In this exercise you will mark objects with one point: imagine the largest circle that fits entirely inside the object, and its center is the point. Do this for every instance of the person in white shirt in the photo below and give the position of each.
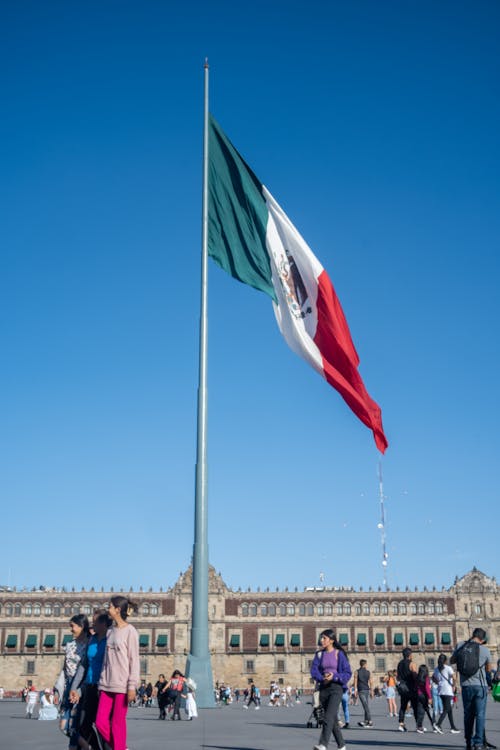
(31, 701)
(444, 677)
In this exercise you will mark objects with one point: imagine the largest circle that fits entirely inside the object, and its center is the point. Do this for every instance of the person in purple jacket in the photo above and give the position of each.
(332, 672)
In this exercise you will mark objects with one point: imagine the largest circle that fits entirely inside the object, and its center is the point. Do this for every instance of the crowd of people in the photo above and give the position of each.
(430, 696)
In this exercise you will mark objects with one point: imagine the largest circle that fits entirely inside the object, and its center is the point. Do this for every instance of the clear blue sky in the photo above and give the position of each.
(375, 125)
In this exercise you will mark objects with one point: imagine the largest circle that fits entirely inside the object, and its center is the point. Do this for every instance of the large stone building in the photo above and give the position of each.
(261, 634)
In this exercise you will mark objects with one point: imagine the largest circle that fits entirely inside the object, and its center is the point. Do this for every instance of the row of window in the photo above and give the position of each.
(50, 639)
(342, 608)
(361, 639)
(68, 610)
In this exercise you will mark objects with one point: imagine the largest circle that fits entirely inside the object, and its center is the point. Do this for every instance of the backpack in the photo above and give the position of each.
(467, 659)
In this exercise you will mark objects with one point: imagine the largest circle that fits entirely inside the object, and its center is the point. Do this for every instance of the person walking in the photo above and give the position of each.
(364, 690)
(407, 687)
(31, 702)
(161, 697)
(473, 662)
(119, 677)
(444, 679)
(424, 698)
(84, 687)
(74, 653)
(390, 692)
(332, 671)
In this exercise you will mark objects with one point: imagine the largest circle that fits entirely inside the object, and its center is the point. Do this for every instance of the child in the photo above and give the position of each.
(119, 676)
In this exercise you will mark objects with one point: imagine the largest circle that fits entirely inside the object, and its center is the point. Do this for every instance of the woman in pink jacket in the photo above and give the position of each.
(119, 676)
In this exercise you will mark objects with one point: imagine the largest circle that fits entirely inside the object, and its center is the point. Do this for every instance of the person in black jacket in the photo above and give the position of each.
(407, 687)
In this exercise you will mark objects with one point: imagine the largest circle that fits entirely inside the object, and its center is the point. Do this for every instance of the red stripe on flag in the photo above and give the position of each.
(340, 360)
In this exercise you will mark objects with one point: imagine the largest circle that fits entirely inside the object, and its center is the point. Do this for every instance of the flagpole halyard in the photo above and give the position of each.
(198, 664)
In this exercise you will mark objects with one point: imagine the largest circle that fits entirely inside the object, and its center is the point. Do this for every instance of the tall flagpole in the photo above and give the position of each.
(198, 665)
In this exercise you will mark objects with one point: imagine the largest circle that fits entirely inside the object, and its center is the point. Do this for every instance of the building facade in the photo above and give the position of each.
(262, 635)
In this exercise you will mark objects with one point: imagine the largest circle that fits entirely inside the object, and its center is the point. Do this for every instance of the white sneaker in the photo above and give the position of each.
(319, 747)
(437, 729)
(454, 731)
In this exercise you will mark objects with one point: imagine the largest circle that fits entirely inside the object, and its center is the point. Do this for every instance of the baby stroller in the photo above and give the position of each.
(317, 714)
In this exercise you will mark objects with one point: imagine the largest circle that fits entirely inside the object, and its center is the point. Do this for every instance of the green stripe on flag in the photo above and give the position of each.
(237, 215)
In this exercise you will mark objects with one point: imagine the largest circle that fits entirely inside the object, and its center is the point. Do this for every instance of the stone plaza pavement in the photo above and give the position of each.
(234, 728)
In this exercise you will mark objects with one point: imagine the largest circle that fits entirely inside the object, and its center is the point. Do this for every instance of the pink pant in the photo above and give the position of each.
(111, 719)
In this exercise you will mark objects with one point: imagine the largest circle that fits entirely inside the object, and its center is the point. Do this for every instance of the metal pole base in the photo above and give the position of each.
(199, 668)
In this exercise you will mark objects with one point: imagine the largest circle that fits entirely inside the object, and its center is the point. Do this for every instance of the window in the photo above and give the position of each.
(144, 640)
(67, 610)
(37, 610)
(30, 641)
(376, 609)
(162, 640)
(347, 608)
(57, 610)
(30, 667)
(414, 639)
(291, 610)
(264, 640)
(143, 666)
(235, 641)
(320, 610)
(310, 609)
(244, 610)
(380, 664)
(302, 609)
(263, 610)
(49, 641)
(280, 666)
(283, 610)
(384, 608)
(279, 639)
(429, 639)
(344, 639)
(340, 608)
(8, 610)
(431, 608)
(87, 609)
(439, 608)
(398, 639)
(47, 610)
(295, 639)
(250, 666)
(477, 608)
(252, 610)
(154, 610)
(379, 639)
(413, 608)
(75, 609)
(67, 638)
(17, 610)
(272, 610)
(445, 639)
(366, 608)
(329, 609)
(357, 609)
(11, 641)
(28, 610)
(431, 663)
(402, 608)
(145, 610)
(395, 608)
(361, 639)
(421, 608)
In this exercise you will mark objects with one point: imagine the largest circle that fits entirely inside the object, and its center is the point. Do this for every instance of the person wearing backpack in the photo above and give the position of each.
(473, 661)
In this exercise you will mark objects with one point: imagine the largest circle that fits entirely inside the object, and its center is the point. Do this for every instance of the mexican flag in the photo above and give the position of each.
(251, 237)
